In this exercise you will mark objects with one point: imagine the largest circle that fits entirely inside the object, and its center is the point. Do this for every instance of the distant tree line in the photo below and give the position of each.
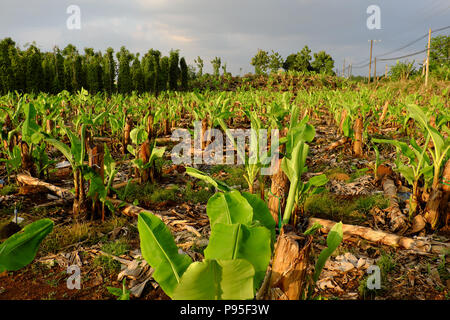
(301, 61)
(32, 70)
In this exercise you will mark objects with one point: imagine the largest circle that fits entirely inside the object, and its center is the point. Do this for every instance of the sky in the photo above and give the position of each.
(233, 29)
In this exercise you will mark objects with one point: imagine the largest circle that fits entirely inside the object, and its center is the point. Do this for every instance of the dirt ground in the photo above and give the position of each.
(107, 253)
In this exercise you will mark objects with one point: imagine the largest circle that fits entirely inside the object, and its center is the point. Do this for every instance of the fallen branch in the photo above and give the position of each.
(336, 144)
(31, 181)
(416, 245)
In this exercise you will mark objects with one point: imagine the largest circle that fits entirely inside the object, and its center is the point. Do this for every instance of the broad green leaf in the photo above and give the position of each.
(63, 148)
(238, 241)
(138, 135)
(407, 173)
(29, 126)
(404, 147)
(203, 176)
(417, 114)
(261, 212)
(21, 248)
(160, 251)
(334, 239)
(229, 207)
(318, 181)
(217, 280)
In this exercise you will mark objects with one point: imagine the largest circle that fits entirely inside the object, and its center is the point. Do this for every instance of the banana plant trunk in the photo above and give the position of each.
(290, 265)
(96, 153)
(79, 202)
(126, 134)
(27, 159)
(445, 203)
(357, 143)
(279, 188)
(437, 204)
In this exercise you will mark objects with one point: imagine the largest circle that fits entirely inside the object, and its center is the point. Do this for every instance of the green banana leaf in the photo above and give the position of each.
(334, 239)
(203, 176)
(160, 251)
(20, 249)
(230, 207)
(261, 212)
(217, 280)
(238, 241)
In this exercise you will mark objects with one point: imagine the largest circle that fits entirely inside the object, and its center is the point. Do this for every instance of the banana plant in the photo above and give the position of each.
(236, 258)
(418, 165)
(441, 145)
(13, 161)
(144, 159)
(75, 154)
(294, 163)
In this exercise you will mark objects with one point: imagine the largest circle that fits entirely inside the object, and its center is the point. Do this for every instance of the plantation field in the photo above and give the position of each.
(357, 204)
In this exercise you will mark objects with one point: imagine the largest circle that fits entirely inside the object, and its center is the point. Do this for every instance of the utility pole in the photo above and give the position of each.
(428, 57)
(423, 66)
(343, 70)
(375, 71)
(349, 70)
(370, 61)
(386, 72)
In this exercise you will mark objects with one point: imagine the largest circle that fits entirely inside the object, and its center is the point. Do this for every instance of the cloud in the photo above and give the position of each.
(232, 30)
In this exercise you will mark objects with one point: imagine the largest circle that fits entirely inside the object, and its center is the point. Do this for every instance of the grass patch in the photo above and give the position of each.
(147, 193)
(64, 236)
(90, 232)
(365, 292)
(358, 173)
(116, 248)
(201, 195)
(8, 189)
(107, 264)
(442, 269)
(365, 204)
(234, 175)
(327, 205)
(386, 263)
(160, 195)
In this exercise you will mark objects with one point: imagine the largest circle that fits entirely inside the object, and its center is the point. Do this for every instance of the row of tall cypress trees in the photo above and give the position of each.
(31, 70)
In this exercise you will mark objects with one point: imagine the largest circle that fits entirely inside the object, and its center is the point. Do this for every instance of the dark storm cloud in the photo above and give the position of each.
(232, 30)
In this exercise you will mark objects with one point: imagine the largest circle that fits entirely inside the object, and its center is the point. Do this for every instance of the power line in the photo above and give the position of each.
(405, 56)
(401, 48)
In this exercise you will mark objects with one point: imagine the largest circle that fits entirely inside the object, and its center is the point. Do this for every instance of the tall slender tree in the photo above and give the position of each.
(184, 74)
(164, 73)
(173, 69)
(124, 83)
(137, 76)
(109, 71)
(34, 69)
(6, 71)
